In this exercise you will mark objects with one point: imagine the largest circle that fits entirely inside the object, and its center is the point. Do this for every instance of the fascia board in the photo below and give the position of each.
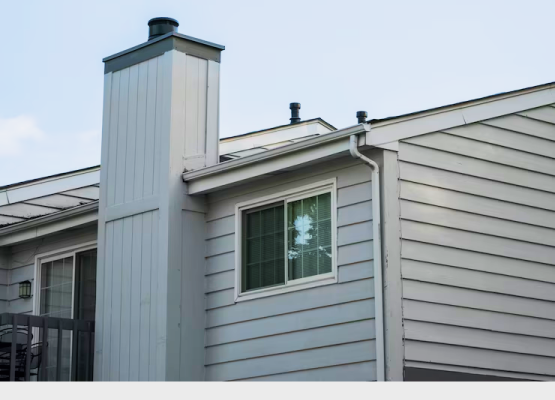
(270, 154)
(271, 136)
(433, 121)
(268, 167)
(49, 224)
(40, 189)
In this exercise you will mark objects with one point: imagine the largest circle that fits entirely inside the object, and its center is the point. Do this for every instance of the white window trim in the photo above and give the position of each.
(69, 251)
(329, 185)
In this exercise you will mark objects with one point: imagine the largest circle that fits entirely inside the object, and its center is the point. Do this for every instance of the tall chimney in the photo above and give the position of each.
(161, 117)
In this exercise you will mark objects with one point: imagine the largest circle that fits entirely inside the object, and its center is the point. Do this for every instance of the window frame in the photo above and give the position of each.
(70, 251)
(303, 192)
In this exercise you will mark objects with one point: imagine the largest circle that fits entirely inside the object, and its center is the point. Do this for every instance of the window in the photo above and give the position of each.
(66, 289)
(286, 241)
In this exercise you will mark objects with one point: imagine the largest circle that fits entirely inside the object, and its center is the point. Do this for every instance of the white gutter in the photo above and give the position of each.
(377, 242)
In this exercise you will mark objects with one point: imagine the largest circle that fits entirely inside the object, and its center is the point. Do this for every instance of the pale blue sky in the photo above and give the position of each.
(334, 57)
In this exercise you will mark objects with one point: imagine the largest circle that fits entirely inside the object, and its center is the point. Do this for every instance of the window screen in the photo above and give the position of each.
(56, 288)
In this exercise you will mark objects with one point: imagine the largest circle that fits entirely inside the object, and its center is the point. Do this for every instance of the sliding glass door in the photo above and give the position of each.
(67, 290)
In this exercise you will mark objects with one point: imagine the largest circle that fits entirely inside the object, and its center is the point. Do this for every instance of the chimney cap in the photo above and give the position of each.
(163, 20)
(160, 26)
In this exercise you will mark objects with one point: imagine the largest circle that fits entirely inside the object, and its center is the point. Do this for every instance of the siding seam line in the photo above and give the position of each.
(475, 251)
(510, 166)
(479, 214)
(295, 351)
(496, 144)
(421, 163)
(479, 290)
(481, 348)
(472, 194)
(476, 309)
(478, 232)
(480, 270)
(309, 369)
(288, 332)
(479, 329)
(291, 312)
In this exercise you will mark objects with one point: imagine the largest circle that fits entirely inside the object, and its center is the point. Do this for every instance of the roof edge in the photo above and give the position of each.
(270, 154)
(463, 104)
(49, 177)
(46, 219)
(159, 39)
(255, 133)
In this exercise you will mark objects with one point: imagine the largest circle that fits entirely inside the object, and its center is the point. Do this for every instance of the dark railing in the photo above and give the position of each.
(45, 348)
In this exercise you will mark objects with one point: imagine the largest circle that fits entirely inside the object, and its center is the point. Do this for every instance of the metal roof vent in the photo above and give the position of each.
(295, 107)
(160, 26)
(361, 117)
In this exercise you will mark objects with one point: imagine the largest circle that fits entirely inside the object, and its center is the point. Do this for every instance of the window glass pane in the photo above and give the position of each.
(264, 248)
(56, 290)
(85, 285)
(309, 236)
(57, 272)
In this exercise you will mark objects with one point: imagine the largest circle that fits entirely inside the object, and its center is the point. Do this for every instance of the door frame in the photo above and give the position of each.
(69, 251)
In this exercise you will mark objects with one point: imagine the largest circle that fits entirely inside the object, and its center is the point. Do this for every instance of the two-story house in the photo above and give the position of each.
(417, 247)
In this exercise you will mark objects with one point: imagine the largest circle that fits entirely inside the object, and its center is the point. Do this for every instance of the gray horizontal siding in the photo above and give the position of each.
(291, 341)
(341, 373)
(290, 362)
(478, 247)
(479, 358)
(309, 334)
(22, 263)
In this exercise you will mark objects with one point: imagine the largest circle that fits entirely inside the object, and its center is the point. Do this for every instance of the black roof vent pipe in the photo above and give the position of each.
(160, 26)
(361, 116)
(295, 107)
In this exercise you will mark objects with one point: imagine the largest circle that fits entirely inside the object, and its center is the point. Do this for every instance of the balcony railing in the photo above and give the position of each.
(45, 348)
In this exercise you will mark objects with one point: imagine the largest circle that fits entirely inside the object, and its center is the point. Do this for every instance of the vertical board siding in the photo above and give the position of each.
(133, 134)
(150, 121)
(145, 296)
(140, 136)
(313, 334)
(477, 216)
(154, 114)
(196, 84)
(122, 135)
(135, 304)
(129, 179)
(128, 289)
(131, 245)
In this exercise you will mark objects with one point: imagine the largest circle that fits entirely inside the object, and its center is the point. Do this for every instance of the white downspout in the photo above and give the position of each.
(377, 242)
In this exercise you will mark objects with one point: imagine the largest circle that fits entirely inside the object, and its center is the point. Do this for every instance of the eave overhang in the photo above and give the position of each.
(385, 133)
(273, 162)
(48, 224)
